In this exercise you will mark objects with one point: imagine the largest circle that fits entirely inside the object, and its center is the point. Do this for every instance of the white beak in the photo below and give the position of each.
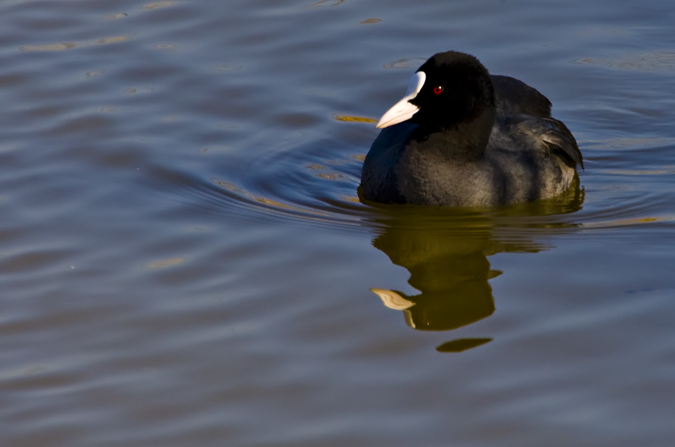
(404, 109)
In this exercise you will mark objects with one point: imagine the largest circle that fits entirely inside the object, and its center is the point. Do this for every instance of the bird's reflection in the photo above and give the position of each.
(446, 253)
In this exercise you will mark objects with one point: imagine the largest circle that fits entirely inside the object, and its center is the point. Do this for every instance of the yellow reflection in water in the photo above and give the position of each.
(165, 263)
(358, 119)
(330, 176)
(71, 45)
(316, 166)
(353, 199)
(628, 222)
(49, 47)
(157, 5)
(270, 202)
(273, 204)
(446, 253)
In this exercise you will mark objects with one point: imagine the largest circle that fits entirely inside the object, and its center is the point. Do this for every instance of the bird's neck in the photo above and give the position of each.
(464, 141)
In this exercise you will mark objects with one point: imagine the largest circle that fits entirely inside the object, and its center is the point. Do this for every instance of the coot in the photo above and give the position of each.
(463, 137)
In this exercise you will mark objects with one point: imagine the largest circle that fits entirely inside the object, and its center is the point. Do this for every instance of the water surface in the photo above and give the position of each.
(184, 259)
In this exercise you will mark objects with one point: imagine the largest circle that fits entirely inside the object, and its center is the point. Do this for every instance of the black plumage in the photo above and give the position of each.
(463, 137)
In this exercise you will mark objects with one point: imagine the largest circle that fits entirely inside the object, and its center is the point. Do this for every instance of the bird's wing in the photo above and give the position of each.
(514, 97)
(551, 135)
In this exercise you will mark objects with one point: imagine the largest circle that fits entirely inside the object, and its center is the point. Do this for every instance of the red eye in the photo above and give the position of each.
(438, 90)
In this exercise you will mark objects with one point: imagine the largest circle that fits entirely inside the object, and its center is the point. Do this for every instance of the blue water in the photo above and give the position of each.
(184, 259)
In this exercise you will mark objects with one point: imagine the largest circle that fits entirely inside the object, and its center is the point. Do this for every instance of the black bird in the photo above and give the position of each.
(463, 137)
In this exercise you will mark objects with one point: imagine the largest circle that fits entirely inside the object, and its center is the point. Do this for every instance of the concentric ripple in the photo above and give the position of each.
(320, 186)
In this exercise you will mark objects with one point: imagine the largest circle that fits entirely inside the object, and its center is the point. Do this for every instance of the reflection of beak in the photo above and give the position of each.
(393, 300)
(404, 109)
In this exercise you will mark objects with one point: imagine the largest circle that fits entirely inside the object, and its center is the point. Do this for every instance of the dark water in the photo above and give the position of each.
(184, 260)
